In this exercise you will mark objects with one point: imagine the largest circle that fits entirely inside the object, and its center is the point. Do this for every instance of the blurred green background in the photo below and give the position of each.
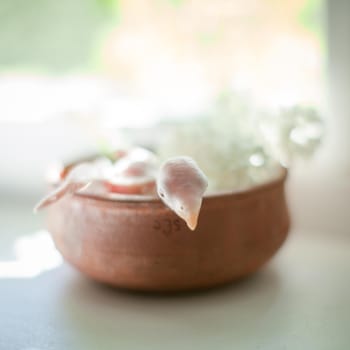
(49, 35)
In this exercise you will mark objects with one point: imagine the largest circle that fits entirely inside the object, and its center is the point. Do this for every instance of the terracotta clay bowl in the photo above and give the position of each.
(138, 243)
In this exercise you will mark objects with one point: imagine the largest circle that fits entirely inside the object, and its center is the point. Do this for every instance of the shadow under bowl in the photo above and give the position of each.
(140, 244)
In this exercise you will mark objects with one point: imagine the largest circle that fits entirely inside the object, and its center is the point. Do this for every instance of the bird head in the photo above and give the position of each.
(188, 209)
(181, 185)
(186, 206)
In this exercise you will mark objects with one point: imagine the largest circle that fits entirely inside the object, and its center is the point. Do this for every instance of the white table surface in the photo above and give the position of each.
(300, 300)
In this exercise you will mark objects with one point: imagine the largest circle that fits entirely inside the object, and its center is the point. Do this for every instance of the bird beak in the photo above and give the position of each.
(192, 221)
(192, 216)
(58, 193)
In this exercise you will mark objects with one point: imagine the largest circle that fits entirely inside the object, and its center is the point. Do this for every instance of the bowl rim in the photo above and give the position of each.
(131, 198)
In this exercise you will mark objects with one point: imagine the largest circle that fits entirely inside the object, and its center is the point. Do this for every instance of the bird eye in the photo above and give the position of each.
(181, 208)
(161, 194)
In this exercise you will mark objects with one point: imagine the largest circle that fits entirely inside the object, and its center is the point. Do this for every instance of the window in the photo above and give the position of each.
(72, 72)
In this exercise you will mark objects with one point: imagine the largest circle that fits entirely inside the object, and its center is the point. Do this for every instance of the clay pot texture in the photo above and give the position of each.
(140, 244)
